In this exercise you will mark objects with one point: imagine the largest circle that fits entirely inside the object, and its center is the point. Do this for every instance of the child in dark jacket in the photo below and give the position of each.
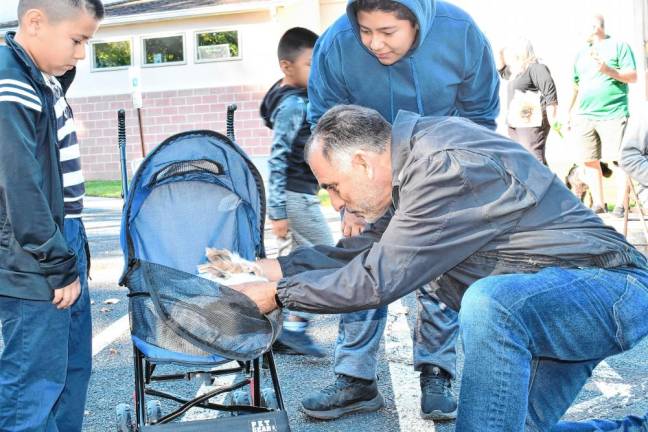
(44, 305)
(293, 205)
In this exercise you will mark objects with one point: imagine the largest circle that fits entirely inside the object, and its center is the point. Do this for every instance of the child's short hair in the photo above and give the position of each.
(58, 10)
(401, 11)
(294, 41)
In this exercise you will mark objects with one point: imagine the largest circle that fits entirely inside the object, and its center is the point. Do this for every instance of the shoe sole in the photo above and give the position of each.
(439, 415)
(363, 406)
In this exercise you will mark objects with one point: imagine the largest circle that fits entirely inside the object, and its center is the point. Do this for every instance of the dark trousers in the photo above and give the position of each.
(45, 363)
(532, 138)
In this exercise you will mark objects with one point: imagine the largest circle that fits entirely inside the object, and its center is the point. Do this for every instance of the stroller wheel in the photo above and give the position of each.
(153, 411)
(269, 398)
(124, 418)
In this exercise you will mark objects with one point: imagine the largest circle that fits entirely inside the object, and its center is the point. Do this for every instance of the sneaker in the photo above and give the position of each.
(346, 395)
(300, 342)
(618, 212)
(437, 400)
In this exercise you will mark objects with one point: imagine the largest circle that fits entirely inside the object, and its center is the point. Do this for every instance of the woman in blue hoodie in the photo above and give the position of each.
(428, 57)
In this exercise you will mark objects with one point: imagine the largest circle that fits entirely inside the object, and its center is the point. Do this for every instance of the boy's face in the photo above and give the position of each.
(56, 47)
(385, 35)
(299, 69)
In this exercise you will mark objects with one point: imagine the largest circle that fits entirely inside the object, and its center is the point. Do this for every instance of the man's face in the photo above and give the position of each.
(363, 189)
(57, 46)
(386, 36)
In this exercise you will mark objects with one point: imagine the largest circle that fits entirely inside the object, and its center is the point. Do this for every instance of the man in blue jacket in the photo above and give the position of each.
(428, 57)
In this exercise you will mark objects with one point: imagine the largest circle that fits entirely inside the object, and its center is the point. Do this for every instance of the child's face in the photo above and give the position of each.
(56, 47)
(299, 69)
(385, 35)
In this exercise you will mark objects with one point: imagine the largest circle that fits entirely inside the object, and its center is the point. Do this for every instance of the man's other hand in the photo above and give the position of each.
(261, 293)
(66, 296)
(352, 224)
(271, 269)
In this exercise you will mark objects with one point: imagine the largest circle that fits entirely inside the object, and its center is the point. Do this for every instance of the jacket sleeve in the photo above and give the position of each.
(289, 118)
(451, 205)
(634, 150)
(478, 94)
(326, 87)
(21, 182)
(541, 77)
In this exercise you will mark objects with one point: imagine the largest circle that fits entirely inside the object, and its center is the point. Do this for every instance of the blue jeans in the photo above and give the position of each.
(531, 341)
(46, 361)
(360, 333)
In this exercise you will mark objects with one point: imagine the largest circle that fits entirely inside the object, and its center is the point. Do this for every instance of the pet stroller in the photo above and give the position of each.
(195, 190)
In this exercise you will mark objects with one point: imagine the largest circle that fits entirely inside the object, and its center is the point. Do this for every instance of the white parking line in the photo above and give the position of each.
(113, 332)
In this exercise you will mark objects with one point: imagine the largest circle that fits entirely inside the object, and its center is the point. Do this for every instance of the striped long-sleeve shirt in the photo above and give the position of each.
(73, 181)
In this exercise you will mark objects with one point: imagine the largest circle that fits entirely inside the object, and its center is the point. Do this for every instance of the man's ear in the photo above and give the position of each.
(32, 21)
(286, 67)
(361, 160)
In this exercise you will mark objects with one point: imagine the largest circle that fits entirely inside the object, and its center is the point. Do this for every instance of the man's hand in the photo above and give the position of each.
(352, 224)
(280, 227)
(271, 269)
(261, 293)
(66, 296)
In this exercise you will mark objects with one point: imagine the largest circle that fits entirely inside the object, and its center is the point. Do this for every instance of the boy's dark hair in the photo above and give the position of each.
(294, 41)
(401, 11)
(58, 10)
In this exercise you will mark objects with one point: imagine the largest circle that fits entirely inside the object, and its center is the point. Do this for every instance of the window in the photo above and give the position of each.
(163, 50)
(217, 45)
(111, 55)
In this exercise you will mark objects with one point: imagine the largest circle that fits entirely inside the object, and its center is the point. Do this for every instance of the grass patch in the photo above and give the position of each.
(324, 198)
(103, 188)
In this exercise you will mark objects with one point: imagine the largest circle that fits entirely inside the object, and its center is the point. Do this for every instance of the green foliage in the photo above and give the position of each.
(220, 38)
(112, 54)
(164, 50)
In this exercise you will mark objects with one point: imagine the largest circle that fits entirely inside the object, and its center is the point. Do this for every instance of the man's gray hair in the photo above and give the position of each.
(60, 10)
(346, 128)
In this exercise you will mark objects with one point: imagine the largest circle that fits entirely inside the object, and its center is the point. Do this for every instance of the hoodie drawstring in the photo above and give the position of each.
(417, 88)
(391, 95)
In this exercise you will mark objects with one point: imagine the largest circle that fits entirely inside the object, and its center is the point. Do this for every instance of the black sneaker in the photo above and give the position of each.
(300, 343)
(437, 400)
(346, 395)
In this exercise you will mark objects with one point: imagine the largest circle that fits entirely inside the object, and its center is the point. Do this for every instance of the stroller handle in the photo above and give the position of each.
(121, 142)
(230, 121)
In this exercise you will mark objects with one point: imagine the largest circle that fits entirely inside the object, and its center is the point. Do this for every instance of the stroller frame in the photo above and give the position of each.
(144, 367)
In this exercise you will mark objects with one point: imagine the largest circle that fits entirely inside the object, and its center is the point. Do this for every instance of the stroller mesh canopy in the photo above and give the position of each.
(195, 190)
(180, 312)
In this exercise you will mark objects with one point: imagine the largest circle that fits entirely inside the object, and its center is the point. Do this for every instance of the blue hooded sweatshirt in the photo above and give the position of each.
(449, 70)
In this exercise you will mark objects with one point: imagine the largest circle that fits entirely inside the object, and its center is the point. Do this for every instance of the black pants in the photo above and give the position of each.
(532, 138)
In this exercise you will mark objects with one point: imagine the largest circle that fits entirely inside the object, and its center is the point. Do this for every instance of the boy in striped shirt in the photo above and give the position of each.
(44, 303)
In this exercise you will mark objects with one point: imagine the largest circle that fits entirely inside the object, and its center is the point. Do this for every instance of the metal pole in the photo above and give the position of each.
(141, 131)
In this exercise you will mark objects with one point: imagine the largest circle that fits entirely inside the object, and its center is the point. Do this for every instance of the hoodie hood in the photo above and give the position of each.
(273, 98)
(423, 10)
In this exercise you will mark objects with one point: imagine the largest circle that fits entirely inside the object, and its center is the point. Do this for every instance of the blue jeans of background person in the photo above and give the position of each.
(531, 341)
(360, 333)
(46, 361)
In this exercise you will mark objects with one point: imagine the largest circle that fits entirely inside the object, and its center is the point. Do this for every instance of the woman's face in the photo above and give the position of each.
(385, 35)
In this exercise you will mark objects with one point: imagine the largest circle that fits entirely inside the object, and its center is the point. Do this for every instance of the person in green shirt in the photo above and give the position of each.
(602, 71)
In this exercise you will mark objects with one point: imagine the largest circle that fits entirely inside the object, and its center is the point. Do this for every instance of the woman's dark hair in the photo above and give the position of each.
(401, 11)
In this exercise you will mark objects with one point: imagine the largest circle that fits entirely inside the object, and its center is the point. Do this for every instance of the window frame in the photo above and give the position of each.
(94, 68)
(161, 36)
(217, 30)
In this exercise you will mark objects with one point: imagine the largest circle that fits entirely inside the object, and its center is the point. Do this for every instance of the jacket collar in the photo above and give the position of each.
(401, 145)
(24, 58)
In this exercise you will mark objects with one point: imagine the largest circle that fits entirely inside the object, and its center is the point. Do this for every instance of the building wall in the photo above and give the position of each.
(165, 114)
